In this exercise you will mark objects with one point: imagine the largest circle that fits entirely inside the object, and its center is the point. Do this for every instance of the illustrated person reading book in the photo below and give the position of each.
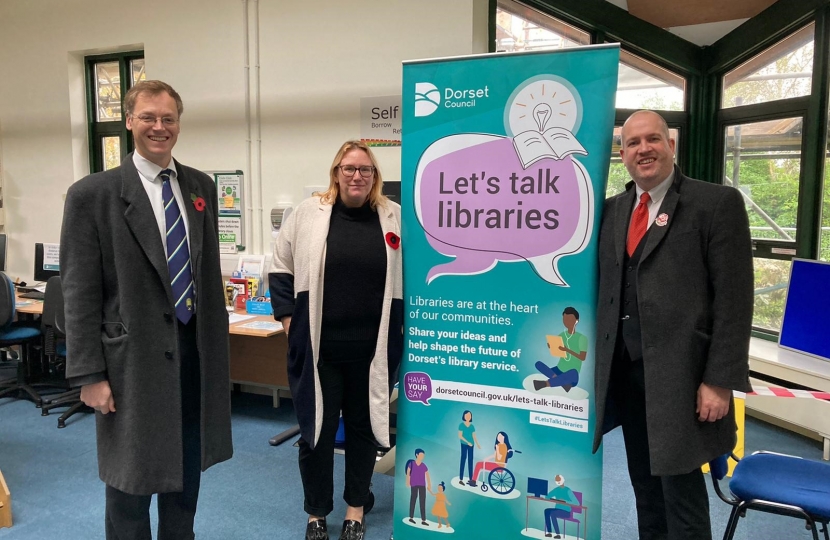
(556, 143)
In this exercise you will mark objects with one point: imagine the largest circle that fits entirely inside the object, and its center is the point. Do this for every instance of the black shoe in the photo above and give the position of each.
(557, 536)
(472, 483)
(316, 530)
(548, 535)
(461, 482)
(353, 530)
(538, 385)
(424, 523)
(411, 520)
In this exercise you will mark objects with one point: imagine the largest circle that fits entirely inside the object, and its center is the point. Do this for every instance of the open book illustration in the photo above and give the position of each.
(556, 143)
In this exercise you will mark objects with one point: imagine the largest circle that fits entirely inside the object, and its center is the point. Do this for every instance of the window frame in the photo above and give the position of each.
(98, 131)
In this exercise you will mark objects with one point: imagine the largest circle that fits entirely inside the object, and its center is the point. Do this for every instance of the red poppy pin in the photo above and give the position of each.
(393, 240)
(198, 202)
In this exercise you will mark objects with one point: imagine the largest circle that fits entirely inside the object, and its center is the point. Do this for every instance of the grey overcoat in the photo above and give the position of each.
(121, 322)
(695, 297)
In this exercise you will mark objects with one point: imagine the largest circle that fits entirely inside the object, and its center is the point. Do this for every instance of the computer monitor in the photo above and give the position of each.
(537, 487)
(46, 262)
(806, 317)
(2, 252)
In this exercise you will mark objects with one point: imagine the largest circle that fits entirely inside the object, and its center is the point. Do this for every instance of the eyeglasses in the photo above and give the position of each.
(150, 120)
(365, 171)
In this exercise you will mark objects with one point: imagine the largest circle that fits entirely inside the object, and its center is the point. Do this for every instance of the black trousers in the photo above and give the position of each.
(668, 507)
(128, 516)
(345, 386)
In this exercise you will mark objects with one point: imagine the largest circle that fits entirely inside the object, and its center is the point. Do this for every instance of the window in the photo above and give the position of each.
(764, 104)
(644, 85)
(782, 71)
(108, 79)
(520, 28)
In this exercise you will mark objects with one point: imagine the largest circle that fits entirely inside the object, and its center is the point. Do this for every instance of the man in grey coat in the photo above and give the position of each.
(146, 326)
(673, 326)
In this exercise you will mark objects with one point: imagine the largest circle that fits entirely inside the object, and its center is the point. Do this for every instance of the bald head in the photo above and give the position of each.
(664, 127)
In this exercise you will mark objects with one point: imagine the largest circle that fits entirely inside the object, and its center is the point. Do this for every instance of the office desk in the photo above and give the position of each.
(584, 519)
(258, 357)
(31, 307)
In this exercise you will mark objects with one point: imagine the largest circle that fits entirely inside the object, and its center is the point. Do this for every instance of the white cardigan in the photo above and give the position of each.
(300, 250)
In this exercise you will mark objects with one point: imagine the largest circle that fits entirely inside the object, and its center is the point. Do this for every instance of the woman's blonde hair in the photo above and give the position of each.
(376, 196)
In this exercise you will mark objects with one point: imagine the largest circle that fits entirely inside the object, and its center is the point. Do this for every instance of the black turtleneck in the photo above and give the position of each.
(355, 278)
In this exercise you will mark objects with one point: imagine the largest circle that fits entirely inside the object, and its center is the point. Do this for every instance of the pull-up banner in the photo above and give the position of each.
(504, 165)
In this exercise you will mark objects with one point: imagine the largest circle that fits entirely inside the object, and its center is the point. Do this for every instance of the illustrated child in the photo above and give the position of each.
(575, 346)
(439, 509)
(467, 435)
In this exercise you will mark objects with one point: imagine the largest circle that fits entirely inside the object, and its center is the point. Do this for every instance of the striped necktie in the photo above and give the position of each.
(178, 255)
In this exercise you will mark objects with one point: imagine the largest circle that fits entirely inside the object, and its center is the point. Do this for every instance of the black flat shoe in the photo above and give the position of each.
(353, 530)
(316, 530)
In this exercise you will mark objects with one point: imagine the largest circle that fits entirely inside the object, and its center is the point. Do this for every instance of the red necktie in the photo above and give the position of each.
(639, 224)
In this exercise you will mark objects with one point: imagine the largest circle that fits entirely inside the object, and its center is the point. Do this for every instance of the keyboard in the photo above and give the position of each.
(34, 295)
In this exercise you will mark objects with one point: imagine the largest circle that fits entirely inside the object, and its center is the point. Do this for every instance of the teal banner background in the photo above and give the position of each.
(504, 165)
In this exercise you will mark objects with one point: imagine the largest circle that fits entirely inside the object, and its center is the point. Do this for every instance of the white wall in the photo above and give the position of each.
(317, 59)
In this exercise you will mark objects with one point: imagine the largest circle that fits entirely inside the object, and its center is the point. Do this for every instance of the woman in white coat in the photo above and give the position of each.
(335, 284)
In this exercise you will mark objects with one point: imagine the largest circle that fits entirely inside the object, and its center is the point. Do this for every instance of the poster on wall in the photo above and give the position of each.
(229, 192)
(504, 164)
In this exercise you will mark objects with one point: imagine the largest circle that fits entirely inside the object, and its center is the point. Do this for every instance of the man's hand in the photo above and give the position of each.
(98, 396)
(712, 402)
(286, 322)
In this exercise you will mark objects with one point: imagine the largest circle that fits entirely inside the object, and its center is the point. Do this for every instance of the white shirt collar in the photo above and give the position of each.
(149, 170)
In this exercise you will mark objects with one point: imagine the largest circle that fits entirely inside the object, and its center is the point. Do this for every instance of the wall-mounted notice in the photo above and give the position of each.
(229, 190)
(380, 120)
(502, 177)
(51, 256)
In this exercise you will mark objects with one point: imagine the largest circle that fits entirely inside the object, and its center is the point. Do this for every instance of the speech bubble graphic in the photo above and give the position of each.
(417, 387)
(477, 203)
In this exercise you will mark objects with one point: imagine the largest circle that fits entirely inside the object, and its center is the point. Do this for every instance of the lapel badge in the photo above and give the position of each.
(662, 220)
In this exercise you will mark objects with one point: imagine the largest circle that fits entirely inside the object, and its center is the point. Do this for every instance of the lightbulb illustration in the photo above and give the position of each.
(541, 113)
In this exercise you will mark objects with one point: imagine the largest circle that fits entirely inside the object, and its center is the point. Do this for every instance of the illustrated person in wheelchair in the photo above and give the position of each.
(500, 479)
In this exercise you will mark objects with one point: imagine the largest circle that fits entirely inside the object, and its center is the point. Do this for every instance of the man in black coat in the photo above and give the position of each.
(146, 325)
(673, 326)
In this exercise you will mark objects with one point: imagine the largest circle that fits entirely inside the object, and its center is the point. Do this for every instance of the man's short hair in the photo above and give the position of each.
(152, 88)
(571, 311)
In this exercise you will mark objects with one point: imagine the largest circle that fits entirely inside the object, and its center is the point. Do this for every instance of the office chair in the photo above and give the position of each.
(778, 484)
(54, 345)
(15, 334)
(572, 518)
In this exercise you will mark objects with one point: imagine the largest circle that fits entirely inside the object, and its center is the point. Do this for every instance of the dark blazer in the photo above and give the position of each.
(695, 298)
(121, 322)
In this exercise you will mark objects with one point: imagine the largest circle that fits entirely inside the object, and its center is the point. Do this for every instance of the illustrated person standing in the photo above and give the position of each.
(673, 328)
(417, 479)
(146, 326)
(575, 346)
(335, 283)
(467, 435)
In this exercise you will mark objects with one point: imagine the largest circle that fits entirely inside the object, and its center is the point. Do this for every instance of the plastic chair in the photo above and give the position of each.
(574, 510)
(14, 334)
(52, 325)
(777, 484)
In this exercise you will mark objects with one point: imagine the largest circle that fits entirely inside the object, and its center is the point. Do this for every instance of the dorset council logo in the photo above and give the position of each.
(427, 98)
